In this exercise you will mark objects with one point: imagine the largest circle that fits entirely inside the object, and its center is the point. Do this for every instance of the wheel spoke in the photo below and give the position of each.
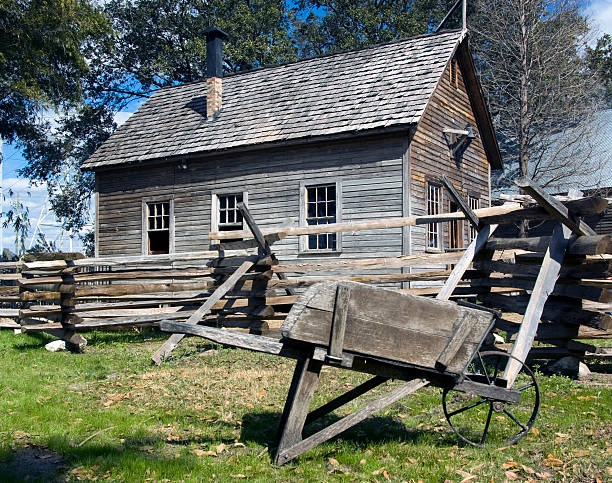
(526, 386)
(486, 429)
(487, 369)
(469, 406)
(511, 416)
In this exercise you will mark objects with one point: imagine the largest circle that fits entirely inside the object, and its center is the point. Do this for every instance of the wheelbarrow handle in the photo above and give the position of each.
(231, 338)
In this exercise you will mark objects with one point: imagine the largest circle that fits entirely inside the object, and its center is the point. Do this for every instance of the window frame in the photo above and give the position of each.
(472, 232)
(303, 239)
(438, 226)
(215, 207)
(145, 222)
(456, 228)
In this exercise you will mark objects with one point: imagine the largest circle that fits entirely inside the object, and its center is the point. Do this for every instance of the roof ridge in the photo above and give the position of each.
(325, 55)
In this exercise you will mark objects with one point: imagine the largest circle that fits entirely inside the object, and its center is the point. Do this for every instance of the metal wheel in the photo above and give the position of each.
(480, 420)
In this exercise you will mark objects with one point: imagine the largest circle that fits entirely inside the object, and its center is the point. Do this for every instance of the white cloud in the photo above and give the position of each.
(122, 116)
(600, 12)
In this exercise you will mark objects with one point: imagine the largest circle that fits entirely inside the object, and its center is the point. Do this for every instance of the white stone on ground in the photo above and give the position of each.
(56, 345)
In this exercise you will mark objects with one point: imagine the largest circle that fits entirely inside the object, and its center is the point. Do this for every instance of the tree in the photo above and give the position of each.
(600, 62)
(41, 59)
(153, 44)
(325, 25)
(540, 93)
(17, 217)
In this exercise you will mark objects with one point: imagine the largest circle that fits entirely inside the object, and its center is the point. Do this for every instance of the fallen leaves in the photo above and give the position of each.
(511, 475)
(582, 452)
(114, 398)
(200, 452)
(383, 471)
(552, 461)
(466, 476)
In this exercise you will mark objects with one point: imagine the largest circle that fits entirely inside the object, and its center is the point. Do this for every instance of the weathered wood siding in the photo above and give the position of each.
(381, 176)
(369, 169)
(449, 107)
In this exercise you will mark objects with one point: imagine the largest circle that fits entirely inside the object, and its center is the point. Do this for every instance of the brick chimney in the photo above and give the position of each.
(214, 70)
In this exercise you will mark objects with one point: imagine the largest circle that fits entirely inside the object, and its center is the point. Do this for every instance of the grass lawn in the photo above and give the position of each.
(203, 416)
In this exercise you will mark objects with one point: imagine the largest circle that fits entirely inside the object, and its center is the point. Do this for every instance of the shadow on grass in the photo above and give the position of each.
(127, 336)
(138, 452)
(36, 340)
(66, 460)
(262, 428)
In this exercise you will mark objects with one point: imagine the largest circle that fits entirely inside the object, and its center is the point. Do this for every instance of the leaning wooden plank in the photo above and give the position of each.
(261, 240)
(494, 215)
(545, 284)
(463, 205)
(168, 346)
(554, 207)
(349, 421)
(466, 260)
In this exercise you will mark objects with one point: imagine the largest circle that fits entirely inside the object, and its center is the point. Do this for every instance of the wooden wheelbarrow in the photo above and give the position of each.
(391, 335)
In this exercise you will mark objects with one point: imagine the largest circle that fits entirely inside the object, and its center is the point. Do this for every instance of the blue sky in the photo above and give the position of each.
(600, 12)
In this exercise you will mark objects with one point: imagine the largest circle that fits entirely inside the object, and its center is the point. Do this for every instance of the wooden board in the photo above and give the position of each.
(387, 324)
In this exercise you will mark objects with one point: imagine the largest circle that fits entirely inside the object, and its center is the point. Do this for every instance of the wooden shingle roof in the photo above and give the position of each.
(385, 86)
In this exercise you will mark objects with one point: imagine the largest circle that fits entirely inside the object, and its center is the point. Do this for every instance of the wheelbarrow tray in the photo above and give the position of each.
(382, 323)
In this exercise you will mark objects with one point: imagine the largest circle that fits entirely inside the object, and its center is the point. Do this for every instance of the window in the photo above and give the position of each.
(455, 230)
(158, 220)
(230, 217)
(434, 193)
(320, 206)
(474, 203)
(225, 213)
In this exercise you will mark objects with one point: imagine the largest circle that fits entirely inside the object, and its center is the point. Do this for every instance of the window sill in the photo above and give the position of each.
(314, 253)
(433, 250)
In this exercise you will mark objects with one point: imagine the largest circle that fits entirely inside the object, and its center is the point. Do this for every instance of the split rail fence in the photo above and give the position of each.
(242, 285)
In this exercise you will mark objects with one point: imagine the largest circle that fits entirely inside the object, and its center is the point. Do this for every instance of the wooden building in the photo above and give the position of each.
(351, 136)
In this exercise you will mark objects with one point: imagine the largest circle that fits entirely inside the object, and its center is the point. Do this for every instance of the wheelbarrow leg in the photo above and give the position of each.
(291, 448)
(303, 385)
